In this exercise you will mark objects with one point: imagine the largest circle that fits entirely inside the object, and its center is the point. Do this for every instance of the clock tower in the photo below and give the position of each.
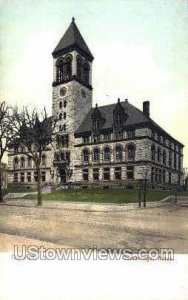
(72, 94)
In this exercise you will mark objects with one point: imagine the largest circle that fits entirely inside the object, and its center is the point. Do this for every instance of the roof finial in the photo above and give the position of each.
(118, 100)
(73, 19)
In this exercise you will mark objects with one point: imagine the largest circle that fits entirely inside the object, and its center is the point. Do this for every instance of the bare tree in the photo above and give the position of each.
(36, 132)
(7, 135)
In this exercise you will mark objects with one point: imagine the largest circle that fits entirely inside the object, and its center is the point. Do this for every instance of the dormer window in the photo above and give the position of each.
(118, 121)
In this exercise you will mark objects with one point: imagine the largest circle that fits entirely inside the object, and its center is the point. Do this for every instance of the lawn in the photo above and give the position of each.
(104, 196)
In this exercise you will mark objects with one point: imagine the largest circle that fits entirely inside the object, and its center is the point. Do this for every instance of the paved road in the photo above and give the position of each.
(154, 227)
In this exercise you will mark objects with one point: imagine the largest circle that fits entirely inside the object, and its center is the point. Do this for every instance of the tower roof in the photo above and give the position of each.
(72, 39)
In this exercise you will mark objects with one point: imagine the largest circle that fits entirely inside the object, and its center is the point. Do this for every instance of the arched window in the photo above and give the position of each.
(22, 162)
(164, 157)
(96, 154)
(85, 74)
(29, 161)
(131, 152)
(59, 70)
(43, 162)
(60, 104)
(153, 152)
(158, 154)
(85, 155)
(79, 66)
(107, 154)
(15, 162)
(118, 153)
(67, 68)
(60, 116)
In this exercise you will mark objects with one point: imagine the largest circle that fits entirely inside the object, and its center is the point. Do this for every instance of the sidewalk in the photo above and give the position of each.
(88, 206)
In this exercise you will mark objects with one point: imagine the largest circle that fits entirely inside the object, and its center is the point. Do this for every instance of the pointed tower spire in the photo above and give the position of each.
(72, 40)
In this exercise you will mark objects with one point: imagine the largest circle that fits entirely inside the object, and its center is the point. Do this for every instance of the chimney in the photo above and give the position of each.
(146, 109)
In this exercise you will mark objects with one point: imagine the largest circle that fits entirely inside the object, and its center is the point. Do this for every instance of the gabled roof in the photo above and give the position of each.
(72, 39)
(135, 118)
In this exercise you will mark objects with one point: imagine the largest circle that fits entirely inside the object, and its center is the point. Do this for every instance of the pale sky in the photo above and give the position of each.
(140, 49)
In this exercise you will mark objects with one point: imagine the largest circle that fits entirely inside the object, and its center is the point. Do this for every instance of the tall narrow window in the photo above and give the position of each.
(96, 154)
(118, 153)
(85, 174)
(79, 66)
(43, 160)
(118, 173)
(130, 172)
(153, 153)
(107, 154)
(164, 157)
(131, 152)
(85, 155)
(59, 70)
(106, 173)
(22, 162)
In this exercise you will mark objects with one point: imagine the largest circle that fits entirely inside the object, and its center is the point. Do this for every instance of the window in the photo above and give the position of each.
(160, 175)
(65, 104)
(29, 161)
(29, 176)
(96, 138)
(64, 127)
(106, 174)
(86, 139)
(59, 70)
(164, 176)
(43, 176)
(85, 174)
(35, 176)
(15, 163)
(118, 173)
(130, 134)
(85, 72)
(22, 177)
(16, 149)
(60, 128)
(96, 124)
(95, 174)
(118, 135)
(96, 154)
(179, 163)
(64, 115)
(175, 162)
(130, 172)
(118, 153)
(131, 152)
(86, 155)
(79, 66)
(107, 154)
(60, 104)
(60, 116)
(164, 157)
(158, 154)
(153, 153)
(22, 162)
(43, 162)
(118, 121)
(15, 177)
(170, 159)
(170, 178)
(106, 136)
(152, 175)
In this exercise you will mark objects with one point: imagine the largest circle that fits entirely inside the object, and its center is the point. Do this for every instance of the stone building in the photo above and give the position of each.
(111, 145)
